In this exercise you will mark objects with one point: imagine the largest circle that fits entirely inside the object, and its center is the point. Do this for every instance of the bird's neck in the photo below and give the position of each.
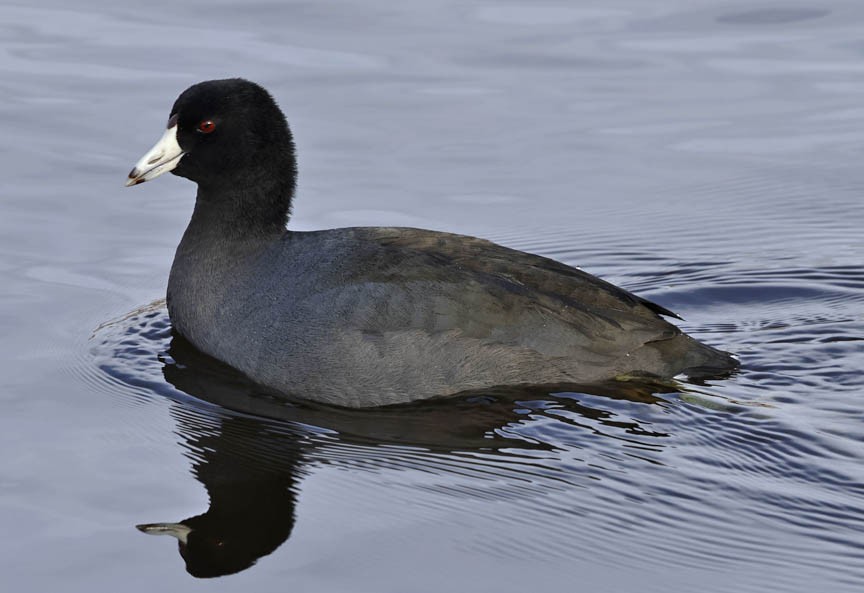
(228, 229)
(241, 212)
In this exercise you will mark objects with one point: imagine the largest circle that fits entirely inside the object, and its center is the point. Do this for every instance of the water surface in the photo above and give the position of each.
(706, 155)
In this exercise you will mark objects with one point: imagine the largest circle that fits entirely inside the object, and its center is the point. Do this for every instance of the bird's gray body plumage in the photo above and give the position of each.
(377, 316)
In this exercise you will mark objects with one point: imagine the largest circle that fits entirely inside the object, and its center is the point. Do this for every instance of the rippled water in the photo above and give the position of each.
(706, 155)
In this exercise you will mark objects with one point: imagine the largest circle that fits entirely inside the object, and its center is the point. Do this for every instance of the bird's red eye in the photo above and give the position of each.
(206, 126)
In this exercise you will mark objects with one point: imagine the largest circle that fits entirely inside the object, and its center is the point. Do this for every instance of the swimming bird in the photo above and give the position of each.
(371, 316)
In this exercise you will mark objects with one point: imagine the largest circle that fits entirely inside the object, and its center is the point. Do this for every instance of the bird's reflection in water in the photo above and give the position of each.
(250, 449)
(249, 474)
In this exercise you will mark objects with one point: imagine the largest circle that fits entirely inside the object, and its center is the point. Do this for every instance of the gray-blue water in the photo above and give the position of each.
(705, 154)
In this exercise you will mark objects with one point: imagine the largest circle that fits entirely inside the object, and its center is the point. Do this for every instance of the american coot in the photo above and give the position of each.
(371, 316)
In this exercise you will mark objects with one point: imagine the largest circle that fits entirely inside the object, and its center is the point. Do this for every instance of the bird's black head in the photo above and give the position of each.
(230, 137)
(230, 130)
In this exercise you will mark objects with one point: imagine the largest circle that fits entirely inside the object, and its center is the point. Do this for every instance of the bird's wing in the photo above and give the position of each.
(403, 279)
